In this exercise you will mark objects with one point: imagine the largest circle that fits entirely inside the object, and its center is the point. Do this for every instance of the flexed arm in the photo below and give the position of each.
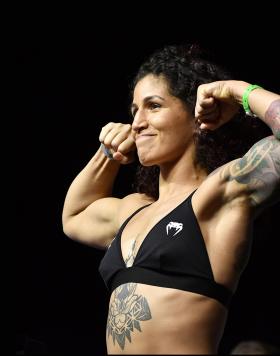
(217, 102)
(90, 213)
(257, 174)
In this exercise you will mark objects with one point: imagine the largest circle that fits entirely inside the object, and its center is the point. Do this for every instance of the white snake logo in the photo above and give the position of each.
(172, 225)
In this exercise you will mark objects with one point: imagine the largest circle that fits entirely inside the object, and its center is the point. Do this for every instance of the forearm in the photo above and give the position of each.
(263, 103)
(94, 182)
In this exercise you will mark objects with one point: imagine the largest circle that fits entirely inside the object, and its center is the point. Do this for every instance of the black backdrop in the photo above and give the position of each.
(70, 84)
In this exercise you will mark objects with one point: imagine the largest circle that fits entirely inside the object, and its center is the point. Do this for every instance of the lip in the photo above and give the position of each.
(143, 137)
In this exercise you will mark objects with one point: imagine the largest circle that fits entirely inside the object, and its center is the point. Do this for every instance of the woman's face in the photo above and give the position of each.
(162, 126)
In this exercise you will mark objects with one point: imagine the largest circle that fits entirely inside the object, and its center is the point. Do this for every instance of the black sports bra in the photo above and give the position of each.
(172, 255)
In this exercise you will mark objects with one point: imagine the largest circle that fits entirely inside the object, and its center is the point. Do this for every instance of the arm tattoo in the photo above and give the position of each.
(126, 311)
(272, 118)
(259, 169)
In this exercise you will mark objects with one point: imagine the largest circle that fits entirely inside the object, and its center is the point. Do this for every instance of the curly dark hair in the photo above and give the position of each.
(185, 67)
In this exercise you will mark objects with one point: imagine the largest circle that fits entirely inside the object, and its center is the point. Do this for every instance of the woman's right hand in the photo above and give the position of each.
(118, 139)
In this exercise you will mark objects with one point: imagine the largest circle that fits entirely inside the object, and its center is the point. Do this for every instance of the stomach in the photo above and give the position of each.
(145, 319)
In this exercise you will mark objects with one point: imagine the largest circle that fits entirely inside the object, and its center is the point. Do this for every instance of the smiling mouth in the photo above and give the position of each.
(143, 137)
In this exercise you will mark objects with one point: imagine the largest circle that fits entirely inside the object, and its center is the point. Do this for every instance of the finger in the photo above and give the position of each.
(120, 137)
(127, 145)
(122, 130)
(212, 111)
(105, 130)
(206, 103)
(200, 111)
(117, 156)
(209, 122)
(210, 126)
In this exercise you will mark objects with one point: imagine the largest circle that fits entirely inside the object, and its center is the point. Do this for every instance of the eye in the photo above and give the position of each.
(153, 105)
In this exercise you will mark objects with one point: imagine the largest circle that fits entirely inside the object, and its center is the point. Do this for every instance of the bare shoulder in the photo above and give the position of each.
(131, 203)
(211, 196)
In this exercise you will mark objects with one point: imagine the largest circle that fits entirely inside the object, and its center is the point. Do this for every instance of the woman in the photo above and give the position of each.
(177, 247)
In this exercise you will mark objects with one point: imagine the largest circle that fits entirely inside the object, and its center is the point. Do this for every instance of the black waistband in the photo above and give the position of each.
(193, 284)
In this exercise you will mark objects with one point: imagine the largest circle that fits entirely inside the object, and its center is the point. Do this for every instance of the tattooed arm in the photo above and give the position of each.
(256, 175)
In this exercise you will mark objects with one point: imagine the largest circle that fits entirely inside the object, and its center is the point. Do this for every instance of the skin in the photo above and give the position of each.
(171, 147)
(150, 319)
(272, 113)
(147, 319)
(172, 121)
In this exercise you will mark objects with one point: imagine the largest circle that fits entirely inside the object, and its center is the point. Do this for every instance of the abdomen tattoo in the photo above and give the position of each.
(126, 311)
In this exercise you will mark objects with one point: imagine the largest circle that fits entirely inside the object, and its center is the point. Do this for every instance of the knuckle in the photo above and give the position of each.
(107, 141)
(108, 125)
(122, 149)
(115, 143)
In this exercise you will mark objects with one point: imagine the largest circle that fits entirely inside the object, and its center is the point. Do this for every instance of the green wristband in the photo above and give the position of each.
(245, 97)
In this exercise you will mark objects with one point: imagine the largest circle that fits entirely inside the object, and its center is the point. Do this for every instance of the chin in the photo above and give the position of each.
(146, 161)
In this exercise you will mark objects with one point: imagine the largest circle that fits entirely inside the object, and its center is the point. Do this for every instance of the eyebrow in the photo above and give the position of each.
(133, 106)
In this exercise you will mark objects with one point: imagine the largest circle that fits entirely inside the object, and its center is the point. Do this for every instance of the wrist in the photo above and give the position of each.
(245, 98)
(102, 160)
(238, 89)
(106, 151)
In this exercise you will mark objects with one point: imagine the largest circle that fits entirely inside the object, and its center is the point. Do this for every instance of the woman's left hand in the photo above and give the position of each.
(215, 104)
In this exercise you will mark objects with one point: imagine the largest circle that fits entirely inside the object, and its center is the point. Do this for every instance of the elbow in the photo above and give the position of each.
(68, 229)
(68, 225)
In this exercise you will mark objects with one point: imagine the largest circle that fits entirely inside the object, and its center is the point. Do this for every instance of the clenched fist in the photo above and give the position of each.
(217, 103)
(118, 139)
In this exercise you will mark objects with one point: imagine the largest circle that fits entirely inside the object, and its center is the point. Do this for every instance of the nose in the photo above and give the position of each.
(139, 122)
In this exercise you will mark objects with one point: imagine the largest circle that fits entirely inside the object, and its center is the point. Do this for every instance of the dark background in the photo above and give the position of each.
(72, 80)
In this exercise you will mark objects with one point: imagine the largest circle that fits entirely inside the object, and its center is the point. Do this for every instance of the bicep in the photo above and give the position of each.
(256, 175)
(97, 224)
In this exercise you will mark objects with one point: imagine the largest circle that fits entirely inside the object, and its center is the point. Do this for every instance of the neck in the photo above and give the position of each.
(181, 177)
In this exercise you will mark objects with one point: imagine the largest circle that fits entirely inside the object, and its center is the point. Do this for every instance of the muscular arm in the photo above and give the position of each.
(240, 190)
(89, 212)
(90, 215)
(258, 173)
(259, 170)
(256, 176)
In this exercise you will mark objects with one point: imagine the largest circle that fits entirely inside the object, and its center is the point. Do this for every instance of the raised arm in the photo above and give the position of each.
(90, 214)
(257, 174)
